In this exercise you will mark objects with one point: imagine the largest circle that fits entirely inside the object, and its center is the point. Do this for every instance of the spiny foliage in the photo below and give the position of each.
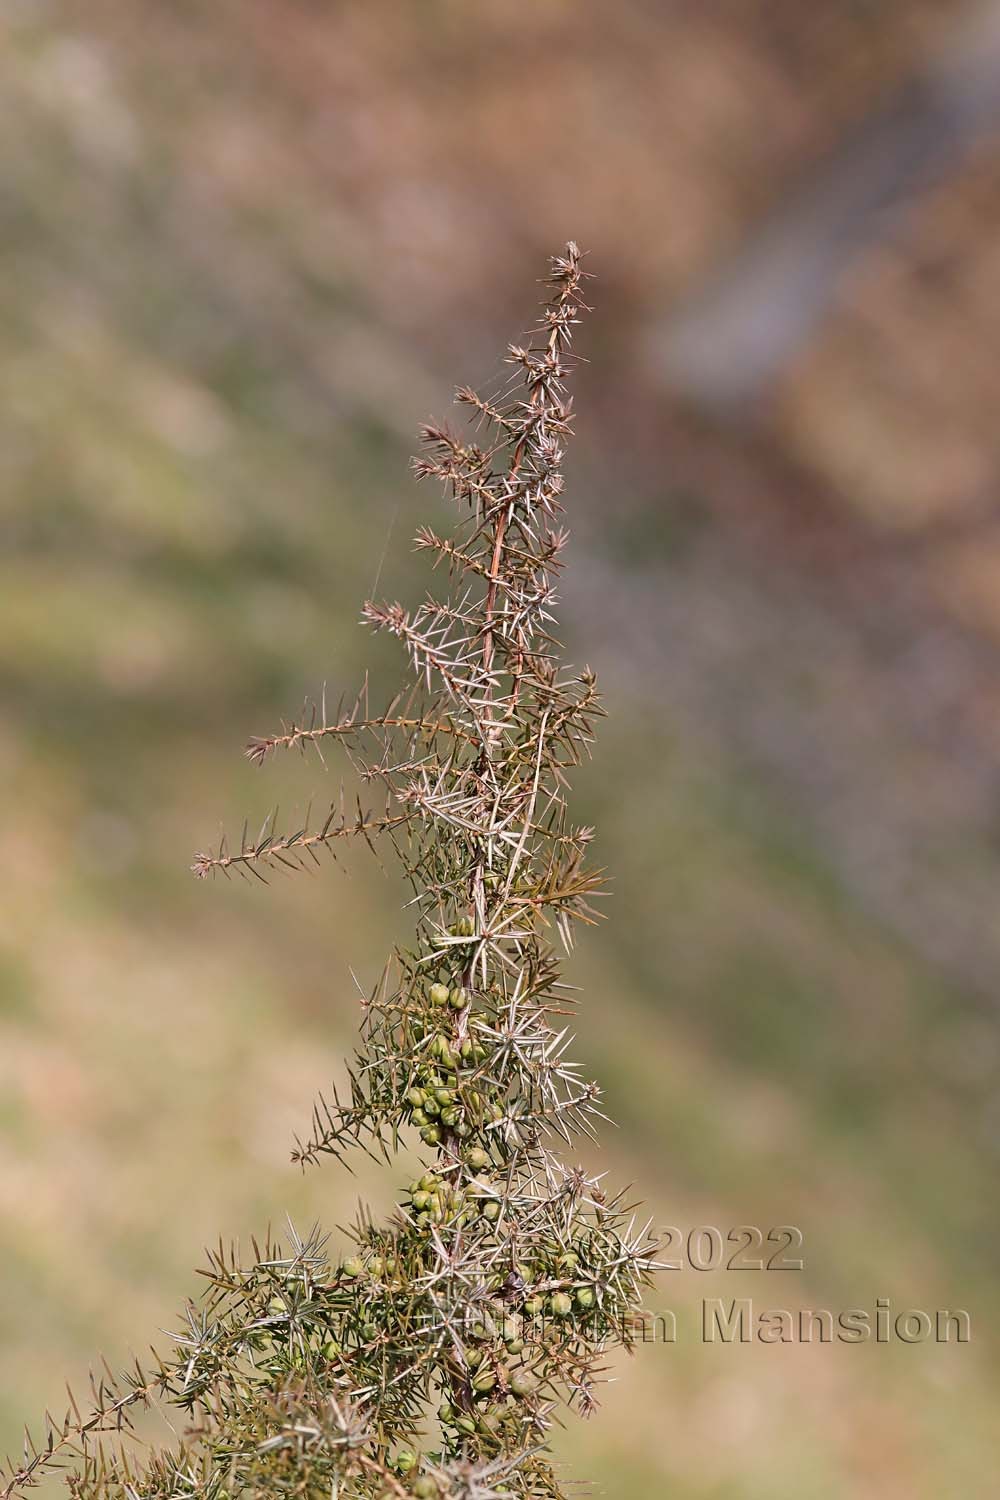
(430, 1362)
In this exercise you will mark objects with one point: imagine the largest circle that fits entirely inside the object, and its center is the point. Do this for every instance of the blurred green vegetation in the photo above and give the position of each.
(204, 398)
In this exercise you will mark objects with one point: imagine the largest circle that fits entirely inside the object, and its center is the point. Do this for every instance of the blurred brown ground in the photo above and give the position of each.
(248, 248)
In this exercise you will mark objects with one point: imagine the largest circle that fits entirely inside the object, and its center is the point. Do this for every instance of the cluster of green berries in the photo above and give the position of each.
(434, 1200)
(554, 1264)
(378, 1267)
(496, 1376)
(510, 1353)
(436, 1102)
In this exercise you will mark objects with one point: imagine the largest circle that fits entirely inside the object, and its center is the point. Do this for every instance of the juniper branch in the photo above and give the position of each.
(432, 1360)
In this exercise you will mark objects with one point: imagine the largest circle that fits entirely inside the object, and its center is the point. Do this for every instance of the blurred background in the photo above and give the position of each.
(247, 248)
